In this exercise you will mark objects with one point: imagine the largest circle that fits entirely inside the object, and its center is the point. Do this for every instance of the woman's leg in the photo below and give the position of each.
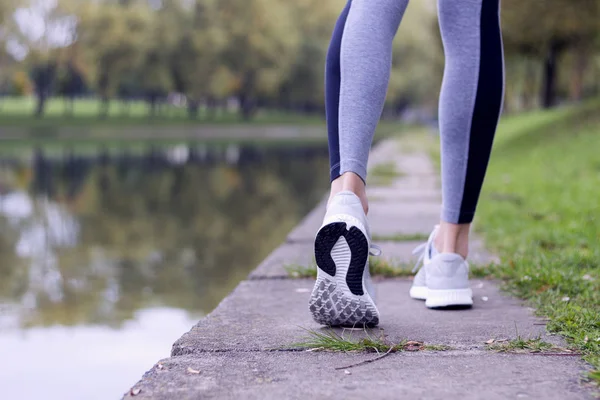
(358, 68)
(469, 109)
(357, 75)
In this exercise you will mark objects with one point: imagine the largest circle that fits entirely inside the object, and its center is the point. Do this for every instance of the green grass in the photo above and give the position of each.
(540, 211)
(85, 132)
(301, 271)
(521, 345)
(369, 341)
(398, 237)
(379, 267)
(383, 174)
(19, 112)
(383, 268)
(389, 269)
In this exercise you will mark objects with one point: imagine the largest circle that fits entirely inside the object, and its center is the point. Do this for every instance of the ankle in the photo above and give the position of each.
(351, 182)
(453, 238)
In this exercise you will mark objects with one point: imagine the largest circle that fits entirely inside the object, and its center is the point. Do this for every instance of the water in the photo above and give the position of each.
(107, 258)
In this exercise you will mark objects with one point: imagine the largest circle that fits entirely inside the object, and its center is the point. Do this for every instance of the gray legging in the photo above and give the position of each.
(357, 75)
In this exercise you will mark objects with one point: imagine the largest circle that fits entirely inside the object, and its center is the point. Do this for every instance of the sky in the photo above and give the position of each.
(39, 28)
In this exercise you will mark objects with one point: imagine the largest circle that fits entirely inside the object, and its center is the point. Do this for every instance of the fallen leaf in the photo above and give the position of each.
(347, 372)
(413, 345)
(192, 371)
(135, 392)
(490, 341)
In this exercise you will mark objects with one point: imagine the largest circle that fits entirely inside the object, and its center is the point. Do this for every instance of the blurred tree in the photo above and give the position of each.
(7, 62)
(116, 39)
(259, 48)
(71, 76)
(21, 84)
(547, 29)
(156, 78)
(43, 75)
(302, 87)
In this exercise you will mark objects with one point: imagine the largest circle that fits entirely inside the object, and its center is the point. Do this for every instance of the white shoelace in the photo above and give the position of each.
(420, 250)
(375, 250)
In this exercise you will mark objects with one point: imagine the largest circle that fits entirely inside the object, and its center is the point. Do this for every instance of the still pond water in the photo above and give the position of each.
(107, 258)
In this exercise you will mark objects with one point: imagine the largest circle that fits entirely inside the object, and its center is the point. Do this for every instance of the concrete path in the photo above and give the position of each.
(244, 349)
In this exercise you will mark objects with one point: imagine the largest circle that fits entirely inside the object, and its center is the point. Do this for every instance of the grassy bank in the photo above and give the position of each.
(19, 111)
(540, 210)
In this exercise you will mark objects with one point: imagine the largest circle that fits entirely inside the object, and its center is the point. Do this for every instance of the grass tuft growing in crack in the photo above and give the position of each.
(370, 342)
(378, 267)
(299, 271)
(389, 269)
(520, 345)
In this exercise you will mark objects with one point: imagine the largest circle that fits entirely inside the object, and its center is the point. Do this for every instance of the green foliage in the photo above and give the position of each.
(540, 213)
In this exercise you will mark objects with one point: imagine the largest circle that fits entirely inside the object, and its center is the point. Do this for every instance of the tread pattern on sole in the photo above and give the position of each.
(326, 238)
(339, 301)
(359, 246)
(329, 306)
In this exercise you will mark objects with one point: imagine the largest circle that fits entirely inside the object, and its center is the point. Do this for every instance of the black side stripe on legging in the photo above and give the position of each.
(333, 78)
(488, 103)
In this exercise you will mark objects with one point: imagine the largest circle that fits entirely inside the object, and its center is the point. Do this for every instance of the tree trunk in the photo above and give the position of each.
(247, 103)
(192, 108)
(105, 104)
(153, 105)
(125, 109)
(41, 103)
(211, 108)
(69, 106)
(247, 106)
(550, 74)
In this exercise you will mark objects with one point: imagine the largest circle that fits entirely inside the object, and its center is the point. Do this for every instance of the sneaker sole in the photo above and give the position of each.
(449, 298)
(339, 297)
(418, 292)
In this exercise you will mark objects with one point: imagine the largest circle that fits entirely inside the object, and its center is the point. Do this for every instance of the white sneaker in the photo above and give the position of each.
(418, 289)
(343, 294)
(443, 279)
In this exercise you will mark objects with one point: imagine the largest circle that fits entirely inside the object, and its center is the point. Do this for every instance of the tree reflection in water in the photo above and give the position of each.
(91, 239)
